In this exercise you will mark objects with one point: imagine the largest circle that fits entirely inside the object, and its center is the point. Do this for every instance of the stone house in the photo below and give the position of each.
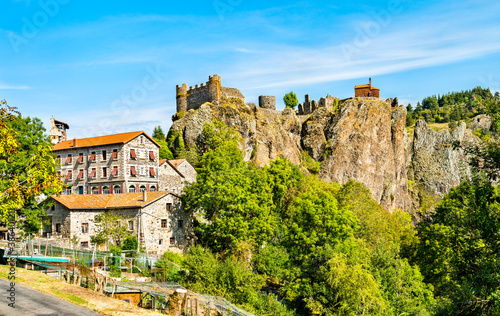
(173, 175)
(366, 90)
(111, 164)
(157, 219)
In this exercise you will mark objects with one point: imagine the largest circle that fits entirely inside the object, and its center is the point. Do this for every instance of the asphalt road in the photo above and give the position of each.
(31, 302)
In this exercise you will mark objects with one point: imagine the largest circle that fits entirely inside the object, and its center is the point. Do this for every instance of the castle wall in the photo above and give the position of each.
(267, 102)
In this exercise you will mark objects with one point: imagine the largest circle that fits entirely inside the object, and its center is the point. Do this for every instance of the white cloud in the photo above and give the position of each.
(11, 87)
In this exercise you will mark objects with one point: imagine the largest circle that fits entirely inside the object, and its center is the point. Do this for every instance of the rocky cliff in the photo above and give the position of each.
(364, 139)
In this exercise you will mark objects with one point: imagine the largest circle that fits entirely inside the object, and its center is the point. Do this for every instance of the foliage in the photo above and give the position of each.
(158, 133)
(175, 143)
(130, 243)
(458, 249)
(28, 169)
(310, 164)
(485, 158)
(456, 106)
(109, 228)
(291, 100)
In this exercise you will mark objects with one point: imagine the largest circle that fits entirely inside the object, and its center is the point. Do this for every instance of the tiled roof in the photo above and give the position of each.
(101, 140)
(109, 201)
(162, 161)
(361, 86)
(176, 162)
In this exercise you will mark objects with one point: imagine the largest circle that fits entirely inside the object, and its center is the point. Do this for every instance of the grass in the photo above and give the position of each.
(75, 294)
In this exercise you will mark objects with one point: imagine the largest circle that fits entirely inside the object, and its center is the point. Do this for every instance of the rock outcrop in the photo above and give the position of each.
(363, 139)
(368, 145)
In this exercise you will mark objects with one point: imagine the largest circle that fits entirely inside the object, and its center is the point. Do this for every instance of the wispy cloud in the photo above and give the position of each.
(11, 87)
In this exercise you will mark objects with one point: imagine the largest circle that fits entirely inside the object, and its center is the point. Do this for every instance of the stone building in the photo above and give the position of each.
(309, 106)
(57, 132)
(212, 91)
(366, 90)
(157, 219)
(173, 175)
(109, 164)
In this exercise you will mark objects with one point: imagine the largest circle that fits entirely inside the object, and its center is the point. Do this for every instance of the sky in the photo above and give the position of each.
(107, 67)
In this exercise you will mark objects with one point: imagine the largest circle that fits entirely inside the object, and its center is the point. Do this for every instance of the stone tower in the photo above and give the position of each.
(267, 102)
(214, 86)
(57, 131)
(182, 94)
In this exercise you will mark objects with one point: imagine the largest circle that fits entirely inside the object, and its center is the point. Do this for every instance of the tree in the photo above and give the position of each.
(291, 100)
(158, 133)
(28, 168)
(109, 228)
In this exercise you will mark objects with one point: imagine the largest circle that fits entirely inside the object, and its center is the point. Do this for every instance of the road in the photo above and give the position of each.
(31, 302)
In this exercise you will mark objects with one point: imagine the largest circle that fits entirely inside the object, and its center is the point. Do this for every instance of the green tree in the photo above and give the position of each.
(109, 228)
(291, 100)
(175, 143)
(158, 133)
(28, 168)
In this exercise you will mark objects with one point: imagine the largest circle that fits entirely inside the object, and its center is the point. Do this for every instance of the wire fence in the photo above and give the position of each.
(89, 268)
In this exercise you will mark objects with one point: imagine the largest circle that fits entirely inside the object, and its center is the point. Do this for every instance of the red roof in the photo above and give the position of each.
(101, 140)
(109, 201)
(176, 162)
(362, 86)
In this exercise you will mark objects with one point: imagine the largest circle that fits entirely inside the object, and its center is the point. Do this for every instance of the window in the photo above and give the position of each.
(131, 225)
(163, 223)
(142, 188)
(160, 242)
(141, 170)
(142, 139)
(105, 190)
(70, 175)
(152, 189)
(80, 174)
(133, 172)
(95, 190)
(114, 155)
(117, 189)
(172, 240)
(103, 155)
(85, 228)
(180, 223)
(114, 173)
(80, 158)
(58, 228)
(67, 191)
(169, 206)
(92, 156)
(69, 159)
(80, 190)
(84, 244)
(92, 173)
(132, 154)
(104, 172)
(131, 189)
(152, 172)
(151, 156)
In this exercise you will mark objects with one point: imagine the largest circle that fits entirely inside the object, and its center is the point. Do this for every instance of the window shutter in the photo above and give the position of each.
(68, 160)
(115, 171)
(132, 154)
(69, 175)
(92, 157)
(80, 158)
(132, 171)
(151, 155)
(92, 173)
(114, 155)
(152, 172)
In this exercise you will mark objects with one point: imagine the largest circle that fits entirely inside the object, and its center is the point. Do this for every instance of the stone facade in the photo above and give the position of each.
(57, 132)
(160, 224)
(212, 91)
(174, 175)
(94, 166)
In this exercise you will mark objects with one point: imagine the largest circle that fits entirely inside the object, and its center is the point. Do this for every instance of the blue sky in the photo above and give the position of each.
(109, 67)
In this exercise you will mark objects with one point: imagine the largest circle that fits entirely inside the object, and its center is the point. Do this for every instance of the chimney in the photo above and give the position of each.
(370, 83)
(144, 196)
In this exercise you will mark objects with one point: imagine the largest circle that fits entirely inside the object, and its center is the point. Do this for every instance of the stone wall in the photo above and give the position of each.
(267, 102)
(309, 106)
(169, 179)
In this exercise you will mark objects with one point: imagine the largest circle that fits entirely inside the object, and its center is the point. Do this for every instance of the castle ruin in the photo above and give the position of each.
(212, 91)
(57, 132)
(309, 106)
